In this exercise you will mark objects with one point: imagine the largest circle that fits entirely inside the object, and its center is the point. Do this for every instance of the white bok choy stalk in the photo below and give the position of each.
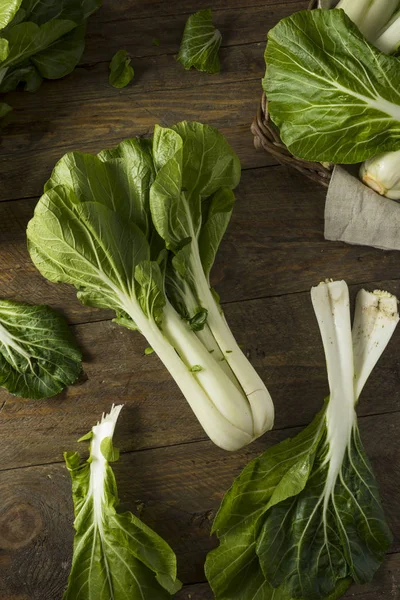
(305, 518)
(115, 556)
(370, 16)
(382, 174)
(136, 229)
(379, 21)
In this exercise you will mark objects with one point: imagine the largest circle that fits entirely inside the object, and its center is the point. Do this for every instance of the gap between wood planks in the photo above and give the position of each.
(200, 440)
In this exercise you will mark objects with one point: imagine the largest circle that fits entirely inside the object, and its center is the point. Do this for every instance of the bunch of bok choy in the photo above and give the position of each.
(136, 229)
(304, 519)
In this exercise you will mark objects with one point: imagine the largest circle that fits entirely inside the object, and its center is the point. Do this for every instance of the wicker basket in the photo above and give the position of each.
(266, 136)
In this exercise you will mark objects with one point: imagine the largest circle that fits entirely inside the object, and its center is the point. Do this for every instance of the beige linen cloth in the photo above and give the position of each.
(357, 215)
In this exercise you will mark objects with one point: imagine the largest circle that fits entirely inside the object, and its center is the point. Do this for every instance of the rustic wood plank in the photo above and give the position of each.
(38, 166)
(280, 336)
(68, 120)
(273, 246)
(176, 490)
(241, 26)
(151, 74)
(154, 8)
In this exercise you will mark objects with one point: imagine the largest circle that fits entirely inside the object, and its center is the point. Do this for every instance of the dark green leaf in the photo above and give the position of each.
(38, 356)
(200, 43)
(121, 72)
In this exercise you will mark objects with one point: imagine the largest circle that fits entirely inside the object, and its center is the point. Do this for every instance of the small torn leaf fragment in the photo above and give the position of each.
(38, 356)
(200, 43)
(148, 351)
(196, 368)
(121, 72)
(156, 42)
(4, 109)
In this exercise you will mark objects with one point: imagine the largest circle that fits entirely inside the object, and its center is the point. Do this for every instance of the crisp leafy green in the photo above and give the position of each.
(115, 554)
(200, 43)
(8, 10)
(121, 72)
(4, 109)
(304, 519)
(42, 39)
(136, 229)
(332, 94)
(38, 356)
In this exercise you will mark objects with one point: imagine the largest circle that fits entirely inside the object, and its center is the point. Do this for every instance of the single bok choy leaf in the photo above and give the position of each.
(305, 519)
(115, 554)
(332, 94)
(200, 43)
(136, 229)
(38, 355)
(121, 72)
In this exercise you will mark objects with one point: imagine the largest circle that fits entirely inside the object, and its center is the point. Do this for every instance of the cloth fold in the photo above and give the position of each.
(357, 215)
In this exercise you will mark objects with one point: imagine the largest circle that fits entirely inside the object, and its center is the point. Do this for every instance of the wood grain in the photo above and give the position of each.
(288, 357)
(156, 8)
(176, 491)
(136, 35)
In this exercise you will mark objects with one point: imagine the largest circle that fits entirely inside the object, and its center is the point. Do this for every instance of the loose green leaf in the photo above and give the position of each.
(200, 43)
(148, 351)
(121, 72)
(156, 42)
(333, 95)
(115, 554)
(196, 369)
(4, 109)
(38, 356)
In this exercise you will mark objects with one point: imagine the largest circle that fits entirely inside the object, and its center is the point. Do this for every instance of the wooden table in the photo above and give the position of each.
(273, 252)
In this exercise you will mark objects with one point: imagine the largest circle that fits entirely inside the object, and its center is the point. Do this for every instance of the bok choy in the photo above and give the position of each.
(115, 554)
(304, 520)
(136, 229)
(382, 19)
(38, 355)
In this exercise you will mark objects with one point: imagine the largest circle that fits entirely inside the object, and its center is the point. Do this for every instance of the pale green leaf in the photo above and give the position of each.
(200, 43)
(333, 95)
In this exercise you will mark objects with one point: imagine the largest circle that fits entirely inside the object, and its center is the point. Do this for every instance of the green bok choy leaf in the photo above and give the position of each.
(115, 554)
(38, 355)
(305, 519)
(332, 94)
